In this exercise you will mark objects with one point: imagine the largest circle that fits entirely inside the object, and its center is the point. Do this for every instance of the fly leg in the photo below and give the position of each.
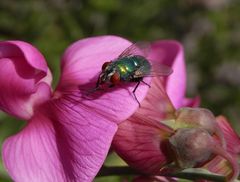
(96, 88)
(146, 83)
(134, 90)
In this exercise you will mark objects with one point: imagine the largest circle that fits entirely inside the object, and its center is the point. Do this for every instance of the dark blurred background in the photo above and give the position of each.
(208, 29)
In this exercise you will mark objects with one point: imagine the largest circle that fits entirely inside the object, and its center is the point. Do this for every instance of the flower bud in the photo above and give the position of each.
(191, 146)
(199, 118)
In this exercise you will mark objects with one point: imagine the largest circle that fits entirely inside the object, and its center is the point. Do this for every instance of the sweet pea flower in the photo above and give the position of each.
(66, 136)
(162, 133)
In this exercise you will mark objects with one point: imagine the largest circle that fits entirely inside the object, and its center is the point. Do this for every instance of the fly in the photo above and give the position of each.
(131, 66)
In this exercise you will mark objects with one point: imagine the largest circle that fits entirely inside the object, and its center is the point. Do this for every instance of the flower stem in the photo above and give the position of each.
(125, 170)
(116, 171)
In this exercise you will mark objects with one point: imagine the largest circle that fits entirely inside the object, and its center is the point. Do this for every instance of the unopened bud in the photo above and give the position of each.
(199, 118)
(191, 146)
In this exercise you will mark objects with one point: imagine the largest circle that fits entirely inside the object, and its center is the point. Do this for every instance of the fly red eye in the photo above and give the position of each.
(115, 78)
(105, 65)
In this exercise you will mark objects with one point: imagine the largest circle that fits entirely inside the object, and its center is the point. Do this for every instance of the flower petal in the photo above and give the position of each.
(171, 53)
(193, 102)
(142, 144)
(222, 165)
(219, 166)
(22, 69)
(157, 104)
(232, 139)
(59, 144)
(81, 65)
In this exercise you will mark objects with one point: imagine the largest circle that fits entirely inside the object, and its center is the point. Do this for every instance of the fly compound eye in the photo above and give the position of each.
(115, 78)
(105, 65)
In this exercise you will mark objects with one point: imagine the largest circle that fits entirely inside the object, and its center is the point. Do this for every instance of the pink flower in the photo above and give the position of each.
(158, 134)
(66, 137)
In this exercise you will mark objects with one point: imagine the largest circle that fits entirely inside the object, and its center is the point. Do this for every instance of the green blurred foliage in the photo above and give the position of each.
(209, 31)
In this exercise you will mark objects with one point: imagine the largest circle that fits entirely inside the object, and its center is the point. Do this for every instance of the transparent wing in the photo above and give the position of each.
(157, 69)
(138, 48)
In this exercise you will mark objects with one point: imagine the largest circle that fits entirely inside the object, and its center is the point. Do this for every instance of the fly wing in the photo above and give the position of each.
(138, 48)
(157, 69)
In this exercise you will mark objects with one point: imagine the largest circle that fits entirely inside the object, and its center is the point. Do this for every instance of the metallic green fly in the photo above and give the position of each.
(131, 65)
